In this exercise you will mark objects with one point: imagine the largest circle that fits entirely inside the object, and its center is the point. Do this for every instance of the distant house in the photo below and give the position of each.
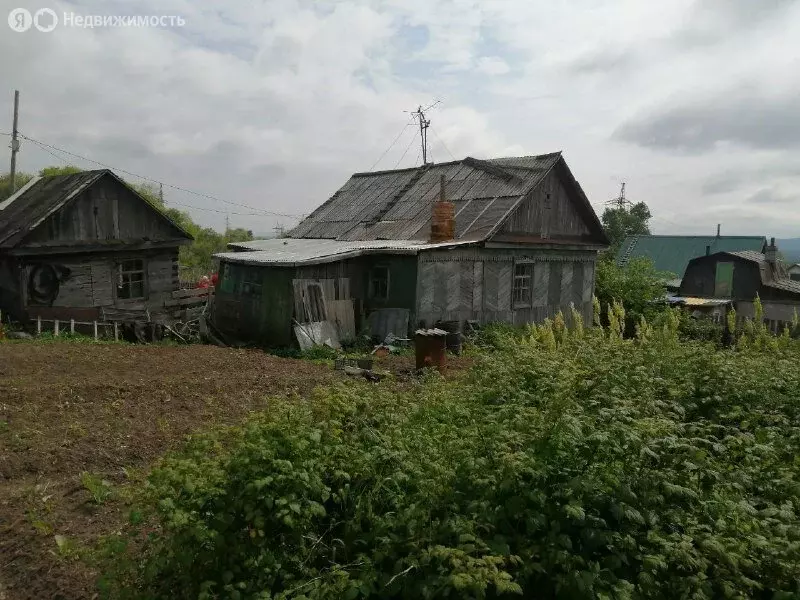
(739, 277)
(794, 272)
(86, 247)
(515, 241)
(672, 253)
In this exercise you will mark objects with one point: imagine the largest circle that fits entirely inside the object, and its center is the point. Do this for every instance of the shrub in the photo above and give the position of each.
(572, 463)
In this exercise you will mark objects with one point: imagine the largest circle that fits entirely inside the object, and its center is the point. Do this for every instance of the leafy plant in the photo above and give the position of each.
(571, 463)
(99, 489)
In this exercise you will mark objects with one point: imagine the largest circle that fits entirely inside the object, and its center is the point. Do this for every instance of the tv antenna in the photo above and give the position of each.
(424, 123)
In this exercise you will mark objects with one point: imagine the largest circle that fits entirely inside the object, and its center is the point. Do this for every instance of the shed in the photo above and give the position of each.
(520, 243)
(740, 277)
(87, 247)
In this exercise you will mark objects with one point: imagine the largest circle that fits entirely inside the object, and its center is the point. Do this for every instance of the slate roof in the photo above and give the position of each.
(396, 205)
(42, 196)
(672, 253)
(774, 277)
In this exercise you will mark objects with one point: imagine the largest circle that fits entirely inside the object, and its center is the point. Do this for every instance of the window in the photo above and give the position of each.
(521, 292)
(723, 283)
(130, 279)
(379, 283)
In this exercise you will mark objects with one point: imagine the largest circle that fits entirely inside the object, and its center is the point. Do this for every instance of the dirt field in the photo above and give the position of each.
(66, 408)
(110, 410)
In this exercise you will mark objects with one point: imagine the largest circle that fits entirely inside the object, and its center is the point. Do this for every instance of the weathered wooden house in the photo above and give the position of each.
(516, 240)
(740, 277)
(86, 247)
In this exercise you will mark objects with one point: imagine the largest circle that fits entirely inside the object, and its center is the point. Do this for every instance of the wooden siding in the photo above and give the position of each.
(476, 284)
(547, 212)
(106, 211)
(89, 282)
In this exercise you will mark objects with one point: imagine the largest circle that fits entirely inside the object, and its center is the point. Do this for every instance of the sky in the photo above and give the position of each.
(265, 108)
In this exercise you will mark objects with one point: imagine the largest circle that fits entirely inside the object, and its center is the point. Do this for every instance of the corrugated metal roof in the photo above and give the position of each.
(396, 205)
(289, 252)
(693, 301)
(672, 253)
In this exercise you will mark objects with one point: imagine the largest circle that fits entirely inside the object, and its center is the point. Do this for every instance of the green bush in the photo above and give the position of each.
(571, 464)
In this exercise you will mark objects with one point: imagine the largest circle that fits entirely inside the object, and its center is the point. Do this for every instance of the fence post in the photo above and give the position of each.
(39, 325)
(95, 330)
(72, 326)
(55, 331)
(116, 332)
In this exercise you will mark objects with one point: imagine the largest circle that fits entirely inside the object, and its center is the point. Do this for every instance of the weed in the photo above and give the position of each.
(99, 489)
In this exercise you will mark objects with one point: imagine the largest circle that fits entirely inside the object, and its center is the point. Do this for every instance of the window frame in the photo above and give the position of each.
(522, 282)
(372, 280)
(120, 275)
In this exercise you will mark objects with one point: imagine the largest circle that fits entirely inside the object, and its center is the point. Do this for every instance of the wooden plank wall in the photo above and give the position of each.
(106, 211)
(547, 212)
(91, 281)
(476, 284)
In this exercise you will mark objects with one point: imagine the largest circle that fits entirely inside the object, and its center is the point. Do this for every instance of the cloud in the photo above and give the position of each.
(771, 196)
(735, 116)
(492, 65)
(274, 103)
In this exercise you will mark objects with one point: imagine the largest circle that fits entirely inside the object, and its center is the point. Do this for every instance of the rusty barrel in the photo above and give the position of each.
(454, 335)
(430, 349)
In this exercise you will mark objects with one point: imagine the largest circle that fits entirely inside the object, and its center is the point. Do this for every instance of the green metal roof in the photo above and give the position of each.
(672, 253)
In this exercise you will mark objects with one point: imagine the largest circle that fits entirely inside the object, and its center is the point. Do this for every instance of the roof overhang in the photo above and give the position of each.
(297, 252)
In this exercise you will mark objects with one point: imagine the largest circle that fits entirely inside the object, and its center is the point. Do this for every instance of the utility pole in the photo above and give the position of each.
(423, 131)
(14, 144)
(227, 223)
(161, 193)
(620, 201)
(278, 229)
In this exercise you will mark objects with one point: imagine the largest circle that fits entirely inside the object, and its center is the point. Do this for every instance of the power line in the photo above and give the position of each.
(406, 151)
(407, 125)
(443, 144)
(61, 158)
(175, 187)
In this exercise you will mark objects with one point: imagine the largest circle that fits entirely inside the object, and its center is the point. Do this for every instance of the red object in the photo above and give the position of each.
(214, 279)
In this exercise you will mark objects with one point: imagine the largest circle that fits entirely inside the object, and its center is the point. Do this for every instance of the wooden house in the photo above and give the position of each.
(508, 239)
(86, 247)
(740, 277)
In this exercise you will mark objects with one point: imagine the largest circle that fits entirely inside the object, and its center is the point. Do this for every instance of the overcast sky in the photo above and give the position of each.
(273, 104)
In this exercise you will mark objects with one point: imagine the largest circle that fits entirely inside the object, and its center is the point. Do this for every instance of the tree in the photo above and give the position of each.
(23, 178)
(637, 285)
(621, 222)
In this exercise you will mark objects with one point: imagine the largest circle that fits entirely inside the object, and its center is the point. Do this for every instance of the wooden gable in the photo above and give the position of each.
(107, 212)
(555, 210)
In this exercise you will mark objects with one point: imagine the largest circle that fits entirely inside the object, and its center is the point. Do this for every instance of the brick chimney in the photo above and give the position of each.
(443, 221)
(771, 253)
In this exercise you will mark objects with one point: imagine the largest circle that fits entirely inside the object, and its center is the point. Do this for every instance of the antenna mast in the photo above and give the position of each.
(423, 131)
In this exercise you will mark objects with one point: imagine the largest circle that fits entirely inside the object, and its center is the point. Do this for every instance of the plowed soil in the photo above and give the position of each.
(110, 410)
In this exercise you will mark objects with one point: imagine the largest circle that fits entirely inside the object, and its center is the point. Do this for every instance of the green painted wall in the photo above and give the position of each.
(255, 304)
(402, 282)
